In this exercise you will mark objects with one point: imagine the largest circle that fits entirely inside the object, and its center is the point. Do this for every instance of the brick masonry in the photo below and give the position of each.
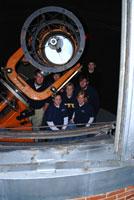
(120, 194)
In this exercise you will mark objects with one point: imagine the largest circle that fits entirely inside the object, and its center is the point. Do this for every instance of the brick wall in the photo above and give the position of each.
(120, 194)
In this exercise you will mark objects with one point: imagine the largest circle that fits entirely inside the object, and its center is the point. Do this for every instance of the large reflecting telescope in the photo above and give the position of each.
(52, 40)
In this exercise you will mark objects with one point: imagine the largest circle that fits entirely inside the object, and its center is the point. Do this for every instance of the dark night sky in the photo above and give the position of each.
(101, 20)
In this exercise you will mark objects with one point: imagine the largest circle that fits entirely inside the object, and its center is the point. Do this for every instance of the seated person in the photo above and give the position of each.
(84, 113)
(91, 93)
(69, 99)
(39, 84)
(56, 116)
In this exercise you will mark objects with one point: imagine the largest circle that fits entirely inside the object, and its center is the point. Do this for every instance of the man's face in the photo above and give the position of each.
(56, 77)
(69, 90)
(91, 66)
(39, 78)
(81, 99)
(57, 100)
(83, 83)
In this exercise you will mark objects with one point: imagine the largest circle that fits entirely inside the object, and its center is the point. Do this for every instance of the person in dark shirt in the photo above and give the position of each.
(69, 99)
(38, 83)
(91, 68)
(56, 115)
(94, 75)
(91, 93)
(84, 112)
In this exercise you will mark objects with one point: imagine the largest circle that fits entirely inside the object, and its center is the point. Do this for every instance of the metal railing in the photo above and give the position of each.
(37, 132)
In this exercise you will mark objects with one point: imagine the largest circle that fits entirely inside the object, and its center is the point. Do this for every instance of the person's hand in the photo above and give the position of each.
(87, 125)
(72, 121)
(64, 127)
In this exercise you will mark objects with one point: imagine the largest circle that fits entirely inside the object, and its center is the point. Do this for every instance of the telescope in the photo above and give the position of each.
(52, 40)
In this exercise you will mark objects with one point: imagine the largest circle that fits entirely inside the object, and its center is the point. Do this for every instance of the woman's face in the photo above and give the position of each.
(81, 99)
(57, 100)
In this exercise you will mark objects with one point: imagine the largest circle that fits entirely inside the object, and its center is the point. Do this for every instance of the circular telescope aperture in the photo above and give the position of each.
(52, 39)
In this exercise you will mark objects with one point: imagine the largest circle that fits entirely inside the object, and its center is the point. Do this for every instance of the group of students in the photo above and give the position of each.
(74, 106)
